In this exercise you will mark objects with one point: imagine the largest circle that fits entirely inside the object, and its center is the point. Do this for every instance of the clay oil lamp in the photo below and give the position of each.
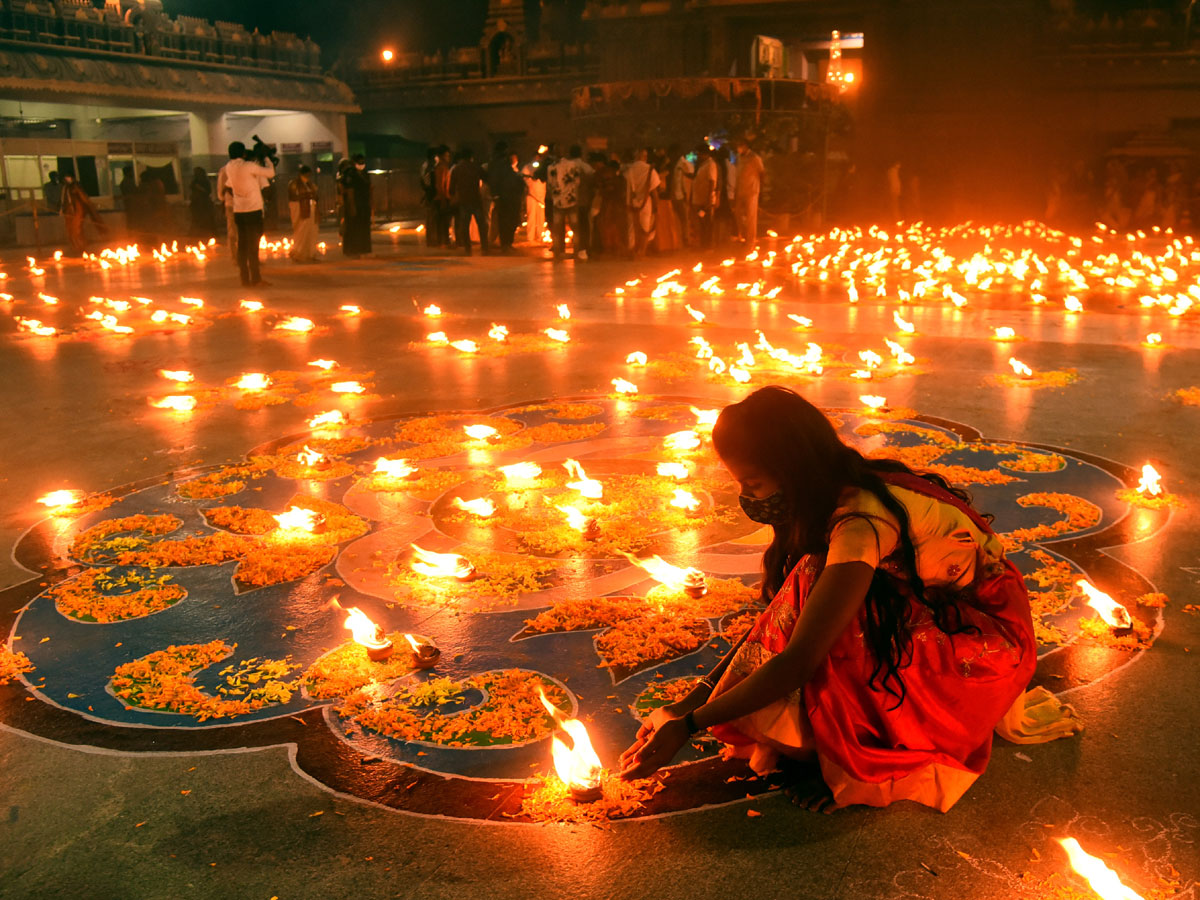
(368, 635)
(577, 766)
(441, 565)
(425, 654)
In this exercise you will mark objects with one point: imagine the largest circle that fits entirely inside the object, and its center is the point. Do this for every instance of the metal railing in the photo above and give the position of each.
(81, 27)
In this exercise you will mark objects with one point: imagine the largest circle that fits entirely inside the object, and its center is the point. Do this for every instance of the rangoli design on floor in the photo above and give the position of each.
(206, 611)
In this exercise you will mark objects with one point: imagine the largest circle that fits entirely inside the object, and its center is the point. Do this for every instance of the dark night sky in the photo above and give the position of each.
(355, 26)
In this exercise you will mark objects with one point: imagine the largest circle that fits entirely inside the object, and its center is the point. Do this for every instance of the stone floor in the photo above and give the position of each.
(87, 819)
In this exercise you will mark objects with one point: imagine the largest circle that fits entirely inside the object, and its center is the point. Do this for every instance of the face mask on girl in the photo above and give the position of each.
(772, 510)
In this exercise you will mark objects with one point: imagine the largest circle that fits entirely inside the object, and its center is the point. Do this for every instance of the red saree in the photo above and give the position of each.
(937, 742)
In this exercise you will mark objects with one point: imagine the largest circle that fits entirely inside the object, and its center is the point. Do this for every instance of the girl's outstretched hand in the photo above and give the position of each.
(650, 753)
(657, 716)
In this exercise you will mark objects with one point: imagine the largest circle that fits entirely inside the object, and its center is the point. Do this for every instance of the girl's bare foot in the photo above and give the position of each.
(804, 786)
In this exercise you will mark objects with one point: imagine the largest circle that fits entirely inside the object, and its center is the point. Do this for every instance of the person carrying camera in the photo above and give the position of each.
(245, 178)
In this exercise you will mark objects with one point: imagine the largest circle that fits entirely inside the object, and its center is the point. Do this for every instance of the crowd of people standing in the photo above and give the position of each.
(627, 205)
(644, 201)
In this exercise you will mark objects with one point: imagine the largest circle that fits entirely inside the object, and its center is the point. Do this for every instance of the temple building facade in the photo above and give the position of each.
(126, 91)
(974, 105)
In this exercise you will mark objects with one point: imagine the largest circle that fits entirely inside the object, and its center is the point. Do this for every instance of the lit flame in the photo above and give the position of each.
(60, 499)
(1019, 367)
(1072, 304)
(347, 387)
(1150, 482)
(802, 321)
(564, 312)
(351, 309)
(577, 766)
(557, 334)
(665, 573)
(522, 471)
(253, 381)
(440, 565)
(705, 418)
(480, 432)
(481, 506)
(902, 356)
(297, 324)
(177, 402)
(363, 630)
(1153, 338)
(678, 471)
(437, 337)
(1103, 880)
(498, 332)
(694, 313)
(621, 386)
(178, 375)
(905, 326)
(393, 468)
(192, 301)
(1109, 609)
(589, 487)
(334, 418)
(872, 401)
(432, 310)
(34, 326)
(299, 519)
(682, 440)
(325, 364)
(1004, 333)
(252, 305)
(465, 346)
(309, 456)
(636, 358)
(685, 500)
(413, 643)
(575, 518)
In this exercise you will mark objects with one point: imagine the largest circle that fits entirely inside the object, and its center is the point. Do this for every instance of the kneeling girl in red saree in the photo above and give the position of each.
(897, 635)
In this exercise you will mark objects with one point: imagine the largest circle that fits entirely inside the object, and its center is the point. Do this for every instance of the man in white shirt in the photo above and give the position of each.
(245, 179)
(564, 182)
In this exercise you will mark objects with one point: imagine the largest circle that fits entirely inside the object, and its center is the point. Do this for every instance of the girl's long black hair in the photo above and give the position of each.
(790, 440)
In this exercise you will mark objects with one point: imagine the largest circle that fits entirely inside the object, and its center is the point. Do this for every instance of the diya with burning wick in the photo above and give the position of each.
(577, 766)
(691, 580)
(1111, 612)
(424, 654)
(368, 635)
(588, 526)
(442, 565)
